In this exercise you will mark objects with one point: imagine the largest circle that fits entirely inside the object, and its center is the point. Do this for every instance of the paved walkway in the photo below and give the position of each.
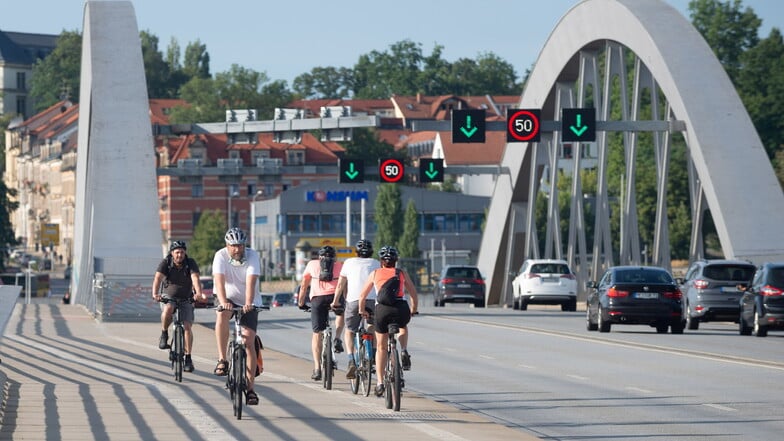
(68, 377)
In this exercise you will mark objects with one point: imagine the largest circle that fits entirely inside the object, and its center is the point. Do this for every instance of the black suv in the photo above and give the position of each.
(710, 290)
(762, 304)
(460, 284)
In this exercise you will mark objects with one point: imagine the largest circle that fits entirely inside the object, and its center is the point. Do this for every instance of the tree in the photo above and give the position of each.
(7, 206)
(409, 241)
(156, 70)
(207, 238)
(204, 102)
(368, 146)
(388, 215)
(324, 82)
(56, 77)
(728, 30)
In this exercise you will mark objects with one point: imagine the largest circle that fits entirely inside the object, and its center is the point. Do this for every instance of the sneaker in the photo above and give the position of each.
(352, 371)
(188, 365)
(163, 342)
(316, 375)
(406, 361)
(338, 346)
(379, 390)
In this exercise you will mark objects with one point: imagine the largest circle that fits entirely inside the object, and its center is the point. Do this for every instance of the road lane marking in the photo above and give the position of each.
(638, 389)
(577, 377)
(720, 407)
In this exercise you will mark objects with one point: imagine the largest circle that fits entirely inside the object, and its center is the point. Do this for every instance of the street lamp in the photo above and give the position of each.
(232, 194)
(253, 245)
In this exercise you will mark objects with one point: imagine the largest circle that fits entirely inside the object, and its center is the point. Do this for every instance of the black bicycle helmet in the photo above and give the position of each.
(235, 236)
(326, 251)
(177, 244)
(388, 254)
(364, 248)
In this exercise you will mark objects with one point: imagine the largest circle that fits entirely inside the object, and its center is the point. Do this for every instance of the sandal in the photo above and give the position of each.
(222, 368)
(251, 399)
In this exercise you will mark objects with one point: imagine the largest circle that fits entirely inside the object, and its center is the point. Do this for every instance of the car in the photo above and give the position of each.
(206, 289)
(545, 282)
(762, 301)
(635, 295)
(460, 284)
(277, 299)
(710, 290)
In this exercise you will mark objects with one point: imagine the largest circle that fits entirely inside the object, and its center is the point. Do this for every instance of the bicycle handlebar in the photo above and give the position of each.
(176, 300)
(220, 308)
(337, 311)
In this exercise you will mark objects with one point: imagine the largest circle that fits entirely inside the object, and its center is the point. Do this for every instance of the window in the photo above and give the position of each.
(21, 82)
(333, 223)
(21, 105)
(292, 223)
(295, 157)
(469, 222)
(195, 219)
(197, 190)
(310, 223)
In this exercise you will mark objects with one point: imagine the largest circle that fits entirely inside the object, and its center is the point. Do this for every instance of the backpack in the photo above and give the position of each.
(259, 359)
(388, 293)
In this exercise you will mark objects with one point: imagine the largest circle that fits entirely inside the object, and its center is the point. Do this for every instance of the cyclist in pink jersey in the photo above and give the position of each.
(321, 275)
(400, 313)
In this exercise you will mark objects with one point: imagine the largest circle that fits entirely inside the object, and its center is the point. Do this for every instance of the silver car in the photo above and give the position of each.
(710, 290)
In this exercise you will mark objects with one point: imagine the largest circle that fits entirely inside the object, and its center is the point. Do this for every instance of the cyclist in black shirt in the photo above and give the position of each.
(177, 276)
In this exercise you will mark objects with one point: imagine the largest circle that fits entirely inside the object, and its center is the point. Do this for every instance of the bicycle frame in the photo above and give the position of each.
(177, 352)
(363, 359)
(393, 376)
(237, 380)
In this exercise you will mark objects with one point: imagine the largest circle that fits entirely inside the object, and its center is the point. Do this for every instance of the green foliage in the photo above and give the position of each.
(728, 29)
(409, 241)
(7, 206)
(207, 238)
(368, 146)
(58, 74)
(388, 216)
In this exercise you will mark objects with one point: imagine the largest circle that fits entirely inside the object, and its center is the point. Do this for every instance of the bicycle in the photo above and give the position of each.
(236, 380)
(327, 356)
(177, 352)
(364, 356)
(393, 377)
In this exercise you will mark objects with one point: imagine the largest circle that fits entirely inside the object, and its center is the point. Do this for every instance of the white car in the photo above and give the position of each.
(545, 282)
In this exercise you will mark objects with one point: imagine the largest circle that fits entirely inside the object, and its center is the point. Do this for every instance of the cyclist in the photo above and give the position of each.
(400, 313)
(321, 275)
(235, 271)
(178, 276)
(352, 277)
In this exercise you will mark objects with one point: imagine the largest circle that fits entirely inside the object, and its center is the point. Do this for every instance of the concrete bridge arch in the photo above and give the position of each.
(730, 174)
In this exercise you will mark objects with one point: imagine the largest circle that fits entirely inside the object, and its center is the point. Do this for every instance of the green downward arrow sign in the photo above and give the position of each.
(580, 129)
(469, 131)
(351, 173)
(431, 171)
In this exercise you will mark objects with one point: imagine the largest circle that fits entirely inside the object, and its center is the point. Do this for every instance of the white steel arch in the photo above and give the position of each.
(732, 173)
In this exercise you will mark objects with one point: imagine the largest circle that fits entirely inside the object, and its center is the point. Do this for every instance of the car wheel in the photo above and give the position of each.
(677, 328)
(589, 325)
(571, 305)
(743, 327)
(515, 304)
(693, 323)
(523, 305)
(759, 329)
(662, 328)
(602, 324)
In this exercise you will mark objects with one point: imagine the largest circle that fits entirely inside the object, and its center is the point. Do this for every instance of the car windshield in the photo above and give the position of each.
(642, 276)
(550, 268)
(206, 283)
(465, 273)
(735, 273)
(283, 297)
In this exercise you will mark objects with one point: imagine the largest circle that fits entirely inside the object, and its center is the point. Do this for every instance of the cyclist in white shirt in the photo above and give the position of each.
(236, 270)
(353, 275)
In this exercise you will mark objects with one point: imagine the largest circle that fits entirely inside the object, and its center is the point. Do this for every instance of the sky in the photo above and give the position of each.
(287, 38)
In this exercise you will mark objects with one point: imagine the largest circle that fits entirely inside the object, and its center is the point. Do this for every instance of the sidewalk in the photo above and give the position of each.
(69, 377)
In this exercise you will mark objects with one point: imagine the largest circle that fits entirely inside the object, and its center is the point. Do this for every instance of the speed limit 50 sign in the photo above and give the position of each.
(522, 125)
(391, 170)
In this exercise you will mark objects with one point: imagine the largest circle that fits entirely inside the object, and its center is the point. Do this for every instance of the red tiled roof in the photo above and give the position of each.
(490, 152)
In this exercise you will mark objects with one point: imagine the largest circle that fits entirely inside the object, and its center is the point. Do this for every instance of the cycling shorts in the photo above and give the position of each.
(400, 314)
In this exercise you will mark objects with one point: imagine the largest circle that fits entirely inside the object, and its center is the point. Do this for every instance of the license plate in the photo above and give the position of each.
(463, 285)
(646, 295)
(729, 289)
(550, 279)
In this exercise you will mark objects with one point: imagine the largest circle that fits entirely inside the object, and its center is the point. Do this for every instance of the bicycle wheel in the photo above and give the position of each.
(239, 380)
(230, 380)
(396, 378)
(179, 351)
(326, 367)
(365, 367)
(357, 361)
